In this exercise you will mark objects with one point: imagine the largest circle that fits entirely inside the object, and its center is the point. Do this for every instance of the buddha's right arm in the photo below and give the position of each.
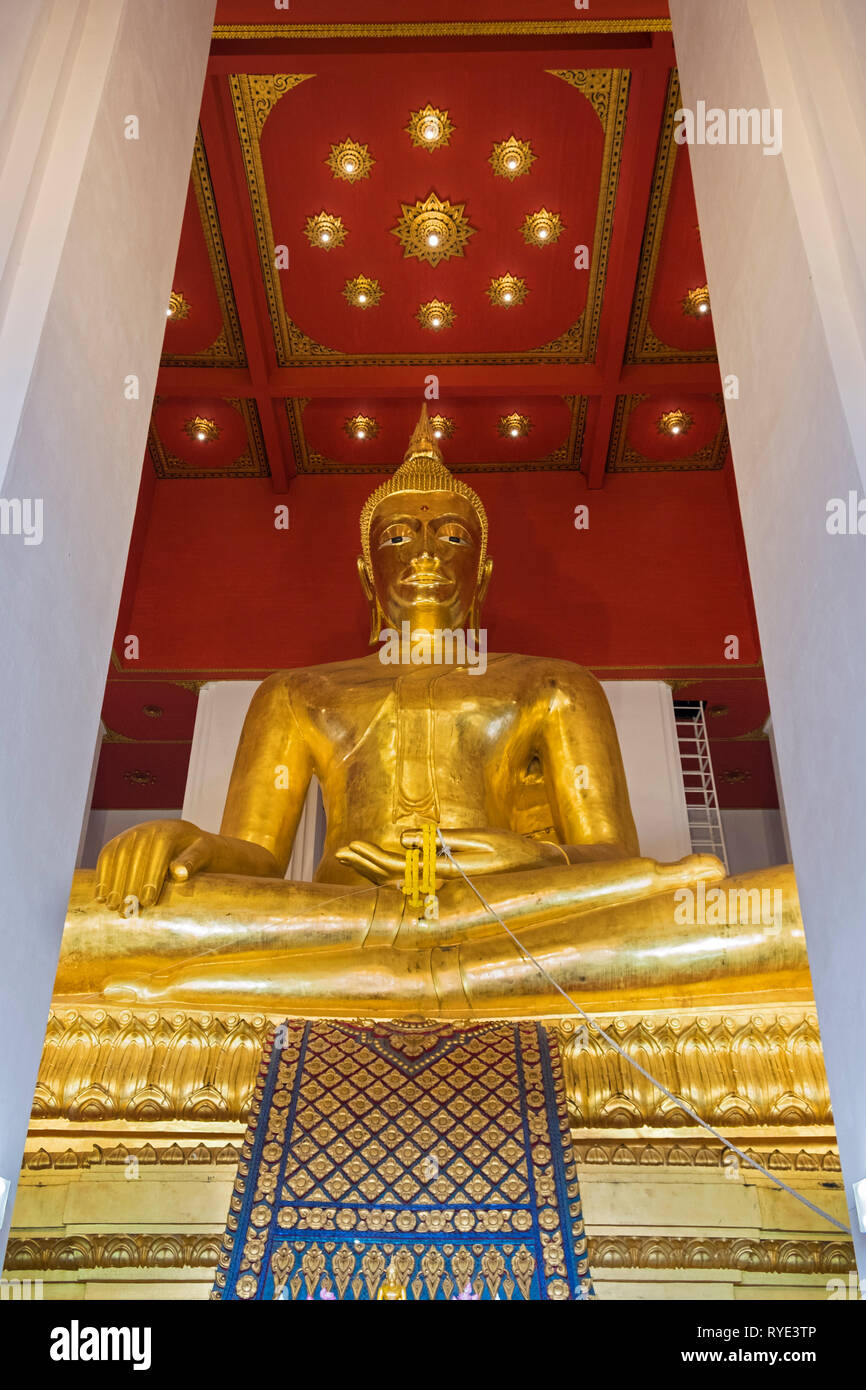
(270, 777)
(269, 782)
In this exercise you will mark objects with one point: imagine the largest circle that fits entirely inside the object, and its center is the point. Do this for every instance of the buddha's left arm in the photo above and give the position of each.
(583, 770)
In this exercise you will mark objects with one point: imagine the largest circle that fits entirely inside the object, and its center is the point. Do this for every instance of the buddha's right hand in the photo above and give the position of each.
(136, 863)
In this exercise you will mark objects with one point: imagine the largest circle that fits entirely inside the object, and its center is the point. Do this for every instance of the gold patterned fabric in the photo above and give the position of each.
(440, 1151)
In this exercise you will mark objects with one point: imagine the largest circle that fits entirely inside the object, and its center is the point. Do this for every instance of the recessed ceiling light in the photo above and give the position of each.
(201, 435)
(436, 321)
(362, 298)
(433, 239)
(507, 296)
(360, 434)
(514, 431)
(703, 308)
(543, 233)
(349, 166)
(511, 163)
(675, 429)
(437, 434)
(430, 131)
(325, 235)
(168, 313)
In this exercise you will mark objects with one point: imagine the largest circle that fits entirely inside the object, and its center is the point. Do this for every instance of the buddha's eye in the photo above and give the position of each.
(396, 535)
(454, 534)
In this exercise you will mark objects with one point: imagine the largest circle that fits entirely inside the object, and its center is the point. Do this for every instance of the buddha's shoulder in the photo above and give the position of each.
(302, 680)
(544, 674)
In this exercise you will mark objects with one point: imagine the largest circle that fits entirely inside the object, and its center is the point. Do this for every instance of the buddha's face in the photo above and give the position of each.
(424, 552)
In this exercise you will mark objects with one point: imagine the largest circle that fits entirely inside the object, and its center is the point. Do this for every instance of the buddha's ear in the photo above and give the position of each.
(484, 582)
(480, 595)
(370, 595)
(366, 579)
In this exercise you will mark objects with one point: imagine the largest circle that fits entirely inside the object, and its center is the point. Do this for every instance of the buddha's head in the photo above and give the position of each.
(424, 541)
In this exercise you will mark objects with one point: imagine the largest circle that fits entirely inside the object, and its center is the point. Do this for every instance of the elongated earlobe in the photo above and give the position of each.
(480, 596)
(377, 617)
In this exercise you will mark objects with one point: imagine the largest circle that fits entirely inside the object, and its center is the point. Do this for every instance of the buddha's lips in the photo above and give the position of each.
(427, 580)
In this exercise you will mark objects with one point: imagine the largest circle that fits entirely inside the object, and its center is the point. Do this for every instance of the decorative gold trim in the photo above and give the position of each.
(576, 345)
(429, 128)
(757, 1069)
(110, 736)
(227, 350)
(756, 1255)
(642, 344)
(193, 1153)
(686, 1151)
(325, 230)
(114, 1251)
(180, 1250)
(622, 458)
(433, 230)
(442, 29)
(252, 463)
(289, 339)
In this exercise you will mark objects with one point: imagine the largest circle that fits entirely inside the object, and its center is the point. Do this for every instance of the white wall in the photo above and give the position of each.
(784, 240)
(96, 273)
(753, 840)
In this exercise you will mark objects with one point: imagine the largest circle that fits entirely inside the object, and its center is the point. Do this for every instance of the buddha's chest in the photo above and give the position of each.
(427, 740)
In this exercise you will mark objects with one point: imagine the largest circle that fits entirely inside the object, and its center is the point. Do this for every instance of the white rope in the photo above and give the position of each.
(612, 1042)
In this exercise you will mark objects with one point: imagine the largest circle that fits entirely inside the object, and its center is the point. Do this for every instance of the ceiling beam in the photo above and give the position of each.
(646, 106)
(223, 155)
(541, 379)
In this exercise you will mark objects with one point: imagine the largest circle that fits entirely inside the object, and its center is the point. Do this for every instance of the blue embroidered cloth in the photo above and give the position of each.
(438, 1151)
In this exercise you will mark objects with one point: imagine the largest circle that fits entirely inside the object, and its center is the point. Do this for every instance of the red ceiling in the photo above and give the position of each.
(656, 583)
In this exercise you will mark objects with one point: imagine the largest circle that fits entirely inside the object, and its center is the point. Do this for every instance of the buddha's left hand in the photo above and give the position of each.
(476, 851)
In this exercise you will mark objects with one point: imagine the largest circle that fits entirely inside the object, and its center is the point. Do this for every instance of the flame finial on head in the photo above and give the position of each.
(422, 470)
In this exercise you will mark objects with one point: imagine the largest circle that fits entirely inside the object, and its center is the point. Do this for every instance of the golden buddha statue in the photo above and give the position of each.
(517, 762)
(392, 1289)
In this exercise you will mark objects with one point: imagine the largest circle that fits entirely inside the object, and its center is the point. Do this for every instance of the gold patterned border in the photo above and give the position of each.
(566, 458)
(228, 349)
(622, 458)
(743, 1071)
(642, 345)
(181, 1250)
(423, 29)
(252, 463)
(607, 89)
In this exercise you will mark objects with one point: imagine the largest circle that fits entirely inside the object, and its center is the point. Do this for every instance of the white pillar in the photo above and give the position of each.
(89, 228)
(784, 239)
